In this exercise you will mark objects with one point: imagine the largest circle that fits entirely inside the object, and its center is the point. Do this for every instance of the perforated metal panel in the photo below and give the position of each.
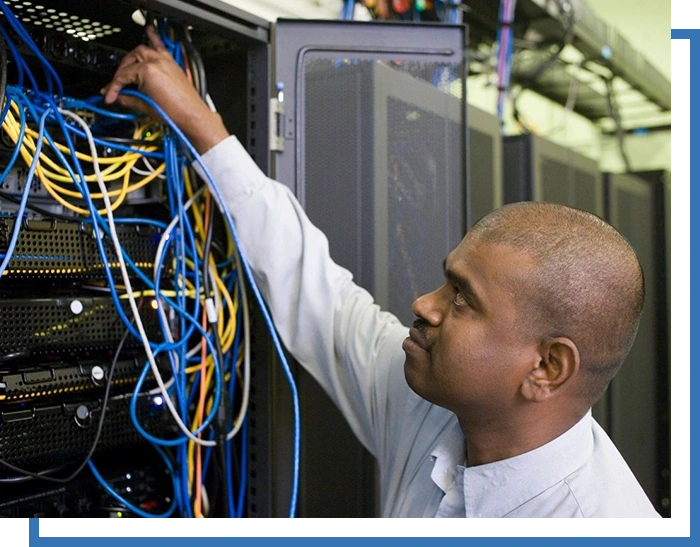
(384, 171)
(540, 170)
(638, 404)
(44, 436)
(424, 197)
(65, 381)
(52, 249)
(42, 325)
(71, 24)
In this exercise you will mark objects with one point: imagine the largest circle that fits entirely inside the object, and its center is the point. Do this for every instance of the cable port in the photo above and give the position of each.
(60, 48)
(83, 55)
(40, 39)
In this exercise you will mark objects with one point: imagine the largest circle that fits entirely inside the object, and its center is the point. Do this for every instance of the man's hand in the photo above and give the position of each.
(156, 74)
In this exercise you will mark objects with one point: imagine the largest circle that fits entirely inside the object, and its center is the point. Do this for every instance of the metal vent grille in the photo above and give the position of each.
(49, 248)
(424, 186)
(71, 381)
(42, 325)
(50, 435)
(35, 14)
(388, 137)
(16, 179)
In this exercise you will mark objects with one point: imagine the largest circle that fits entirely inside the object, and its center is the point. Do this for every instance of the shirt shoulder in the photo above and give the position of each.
(605, 486)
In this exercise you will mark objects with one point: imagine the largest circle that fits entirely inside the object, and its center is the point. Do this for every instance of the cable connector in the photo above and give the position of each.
(212, 316)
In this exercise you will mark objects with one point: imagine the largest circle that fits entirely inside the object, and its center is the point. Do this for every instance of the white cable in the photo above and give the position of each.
(127, 284)
(238, 422)
(170, 340)
(166, 234)
(161, 247)
(205, 501)
(144, 173)
(150, 168)
(210, 103)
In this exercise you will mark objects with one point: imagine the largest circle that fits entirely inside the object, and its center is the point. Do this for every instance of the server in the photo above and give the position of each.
(407, 127)
(485, 152)
(68, 367)
(539, 170)
(639, 418)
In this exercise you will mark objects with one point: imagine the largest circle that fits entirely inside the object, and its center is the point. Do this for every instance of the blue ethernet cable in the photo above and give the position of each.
(23, 125)
(40, 142)
(25, 195)
(137, 510)
(115, 145)
(184, 480)
(22, 67)
(182, 439)
(30, 106)
(101, 248)
(256, 291)
(27, 39)
(77, 104)
(98, 240)
(140, 221)
(18, 146)
(70, 128)
(97, 219)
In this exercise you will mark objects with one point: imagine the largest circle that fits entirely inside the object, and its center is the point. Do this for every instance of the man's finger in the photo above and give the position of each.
(128, 59)
(154, 39)
(140, 54)
(134, 103)
(123, 77)
(144, 53)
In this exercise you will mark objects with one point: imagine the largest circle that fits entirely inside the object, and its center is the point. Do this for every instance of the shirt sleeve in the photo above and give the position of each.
(330, 325)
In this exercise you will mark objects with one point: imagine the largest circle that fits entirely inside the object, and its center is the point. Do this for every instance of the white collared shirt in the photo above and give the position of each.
(336, 331)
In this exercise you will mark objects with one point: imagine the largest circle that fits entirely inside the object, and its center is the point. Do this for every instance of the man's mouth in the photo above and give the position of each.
(418, 338)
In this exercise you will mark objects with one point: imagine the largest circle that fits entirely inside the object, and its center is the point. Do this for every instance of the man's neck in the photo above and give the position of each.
(493, 441)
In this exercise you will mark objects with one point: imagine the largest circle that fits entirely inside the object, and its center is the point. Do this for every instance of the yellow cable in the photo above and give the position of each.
(128, 156)
(11, 126)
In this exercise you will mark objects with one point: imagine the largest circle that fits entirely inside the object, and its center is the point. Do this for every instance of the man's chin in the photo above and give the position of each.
(414, 370)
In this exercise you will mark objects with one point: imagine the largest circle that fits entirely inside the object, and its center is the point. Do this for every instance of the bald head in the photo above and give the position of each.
(586, 284)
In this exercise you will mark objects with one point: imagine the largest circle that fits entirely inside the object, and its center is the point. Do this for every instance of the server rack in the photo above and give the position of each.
(236, 50)
(56, 340)
(535, 169)
(639, 403)
(485, 151)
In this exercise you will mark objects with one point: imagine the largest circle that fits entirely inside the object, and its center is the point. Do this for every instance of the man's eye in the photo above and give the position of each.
(459, 300)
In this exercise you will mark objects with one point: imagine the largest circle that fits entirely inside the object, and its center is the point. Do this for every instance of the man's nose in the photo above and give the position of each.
(428, 307)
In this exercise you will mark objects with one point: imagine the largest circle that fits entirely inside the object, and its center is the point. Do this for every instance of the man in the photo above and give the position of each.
(486, 411)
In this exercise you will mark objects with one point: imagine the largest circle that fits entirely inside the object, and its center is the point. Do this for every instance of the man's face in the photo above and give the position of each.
(469, 351)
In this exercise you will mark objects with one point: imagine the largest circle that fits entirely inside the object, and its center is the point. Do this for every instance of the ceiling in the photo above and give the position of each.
(646, 24)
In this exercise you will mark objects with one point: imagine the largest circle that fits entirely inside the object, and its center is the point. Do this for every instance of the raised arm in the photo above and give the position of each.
(330, 325)
(155, 73)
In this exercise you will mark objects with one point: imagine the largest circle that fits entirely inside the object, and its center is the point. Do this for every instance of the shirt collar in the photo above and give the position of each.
(495, 489)
(446, 456)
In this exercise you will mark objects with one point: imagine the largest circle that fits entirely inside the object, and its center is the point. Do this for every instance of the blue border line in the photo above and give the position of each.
(693, 54)
(689, 34)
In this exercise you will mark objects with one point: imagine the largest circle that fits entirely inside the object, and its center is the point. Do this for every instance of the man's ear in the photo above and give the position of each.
(558, 365)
